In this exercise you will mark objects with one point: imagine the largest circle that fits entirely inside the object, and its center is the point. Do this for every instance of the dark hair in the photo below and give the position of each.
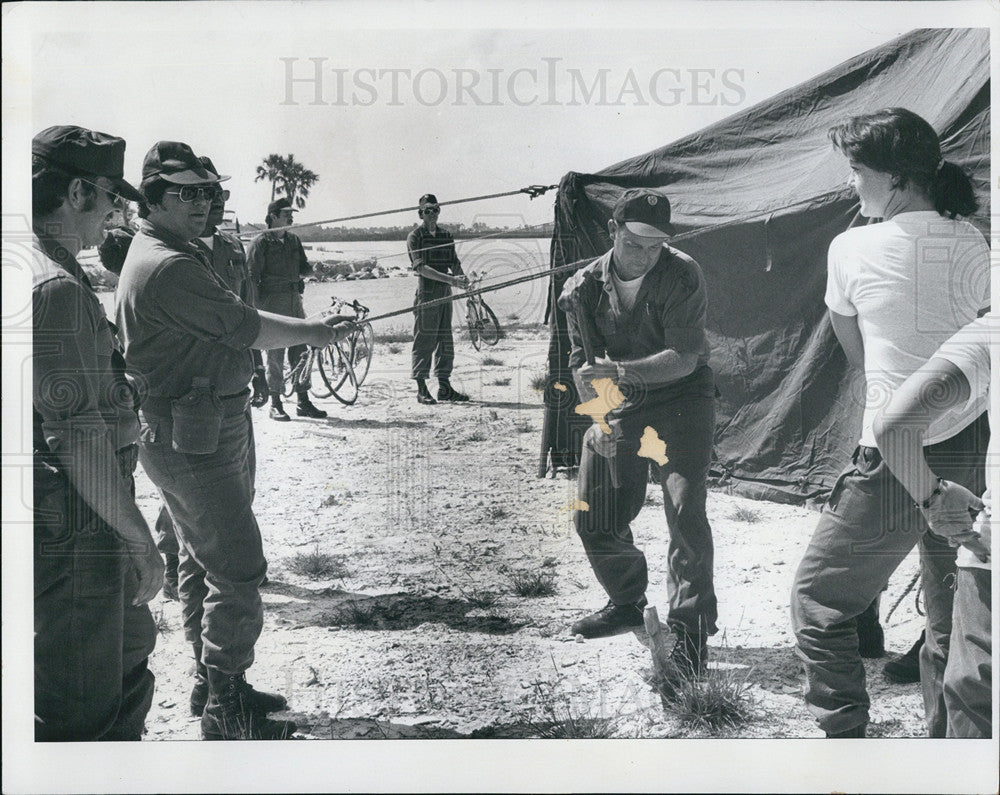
(269, 219)
(49, 184)
(153, 189)
(899, 142)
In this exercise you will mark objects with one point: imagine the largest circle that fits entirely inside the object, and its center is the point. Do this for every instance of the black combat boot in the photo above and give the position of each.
(307, 409)
(448, 393)
(277, 410)
(423, 393)
(230, 713)
(610, 620)
(259, 700)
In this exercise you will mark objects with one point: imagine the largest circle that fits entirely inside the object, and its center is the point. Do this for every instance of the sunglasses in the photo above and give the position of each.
(431, 210)
(117, 200)
(190, 193)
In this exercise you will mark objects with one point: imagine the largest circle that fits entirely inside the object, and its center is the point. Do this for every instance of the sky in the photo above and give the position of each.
(445, 104)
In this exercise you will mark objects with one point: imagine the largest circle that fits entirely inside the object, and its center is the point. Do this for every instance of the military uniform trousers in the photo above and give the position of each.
(869, 525)
(288, 304)
(432, 340)
(92, 644)
(685, 422)
(222, 564)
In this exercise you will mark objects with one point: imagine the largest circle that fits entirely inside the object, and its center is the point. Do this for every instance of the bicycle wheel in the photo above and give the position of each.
(475, 325)
(347, 390)
(320, 387)
(489, 326)
(288, 386)
(331, 368)
(362, 350)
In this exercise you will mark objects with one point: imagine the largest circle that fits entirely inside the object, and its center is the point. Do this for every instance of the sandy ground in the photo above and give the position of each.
(426, 508)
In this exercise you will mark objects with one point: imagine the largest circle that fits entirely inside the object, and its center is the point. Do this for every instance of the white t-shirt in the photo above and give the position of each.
(628, 290)
(969, 351)
(912, 281)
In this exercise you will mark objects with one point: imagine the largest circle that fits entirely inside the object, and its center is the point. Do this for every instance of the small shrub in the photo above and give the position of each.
(532, 584)
(353, 614)
(317, 565)
(717, 700)
(744, 514)
(395, 347)
(482, 598)
(501, 382)
(497, 512)
(538, 381)
(478, 435)
(492, 361)
(394, 335)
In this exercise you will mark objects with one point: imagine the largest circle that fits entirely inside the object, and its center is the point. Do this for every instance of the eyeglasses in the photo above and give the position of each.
(116, 199)
(190, 193)
(431, 210)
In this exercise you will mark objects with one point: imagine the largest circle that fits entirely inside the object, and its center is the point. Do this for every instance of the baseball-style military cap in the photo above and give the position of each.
(85, 152)
(278, 205)
(175, 162)
(644, 212)
(428, 198)
(206, 161)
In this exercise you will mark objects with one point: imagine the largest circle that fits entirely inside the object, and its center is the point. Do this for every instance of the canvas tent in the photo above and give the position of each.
(757, 198)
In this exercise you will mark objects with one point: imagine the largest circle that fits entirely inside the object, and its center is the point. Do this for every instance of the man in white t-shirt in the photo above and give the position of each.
(896, 290)
(957, 376)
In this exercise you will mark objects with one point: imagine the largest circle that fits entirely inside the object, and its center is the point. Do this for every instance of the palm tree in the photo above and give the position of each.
(296, 180)
(271, 171)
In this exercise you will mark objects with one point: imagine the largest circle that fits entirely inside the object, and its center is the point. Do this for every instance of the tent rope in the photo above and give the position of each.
(532, 191)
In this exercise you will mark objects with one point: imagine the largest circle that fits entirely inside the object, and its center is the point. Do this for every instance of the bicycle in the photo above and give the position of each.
(342, 366)
(484, 328)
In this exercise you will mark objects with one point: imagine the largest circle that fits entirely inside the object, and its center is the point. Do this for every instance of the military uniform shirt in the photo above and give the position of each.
(179, 320)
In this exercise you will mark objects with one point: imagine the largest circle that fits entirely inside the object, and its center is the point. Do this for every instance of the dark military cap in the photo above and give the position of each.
(278, 205)
(206, 161)
(175, 162)
(85, 152)
(428, 198)
(644, 212)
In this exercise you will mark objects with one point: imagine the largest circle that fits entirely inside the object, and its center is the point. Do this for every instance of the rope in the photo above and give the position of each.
(532, 191)
(902, 596)
(478, 291)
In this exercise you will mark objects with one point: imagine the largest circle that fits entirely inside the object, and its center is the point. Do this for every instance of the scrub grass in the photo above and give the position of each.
(718, 701)
(532, 584)
(747, 515)
(317, 565)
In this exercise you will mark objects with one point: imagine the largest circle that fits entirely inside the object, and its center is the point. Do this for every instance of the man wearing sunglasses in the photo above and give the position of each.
(433, 259)
(277, 264)
(187, 341)
(95, 566)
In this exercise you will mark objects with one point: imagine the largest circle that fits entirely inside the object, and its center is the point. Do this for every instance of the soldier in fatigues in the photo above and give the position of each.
(95, 565)
(433, 259)
(277, 264)
(187, 340)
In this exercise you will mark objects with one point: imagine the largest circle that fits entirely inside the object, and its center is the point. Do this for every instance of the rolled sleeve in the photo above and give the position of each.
(66, 366)
(684, 313)
(191, 301)
(414, 249)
